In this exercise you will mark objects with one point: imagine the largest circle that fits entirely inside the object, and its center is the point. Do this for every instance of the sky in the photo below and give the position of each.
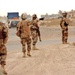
(35, 6)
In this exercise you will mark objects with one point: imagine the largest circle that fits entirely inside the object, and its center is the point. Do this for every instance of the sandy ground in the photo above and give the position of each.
(52, 58)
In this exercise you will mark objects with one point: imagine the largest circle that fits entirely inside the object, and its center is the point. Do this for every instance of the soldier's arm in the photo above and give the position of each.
(18, 26)
(30, 22)
(6, 34)
(61, 22)
(66, 20)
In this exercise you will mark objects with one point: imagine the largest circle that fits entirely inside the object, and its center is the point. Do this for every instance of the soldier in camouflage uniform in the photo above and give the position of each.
(23, 28)
(64, 25)
(3, 41)
(35, 31)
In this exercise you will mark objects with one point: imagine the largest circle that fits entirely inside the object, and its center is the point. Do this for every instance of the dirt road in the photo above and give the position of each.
(52, 58)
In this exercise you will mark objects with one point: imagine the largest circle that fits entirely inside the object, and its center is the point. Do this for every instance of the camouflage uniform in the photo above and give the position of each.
(3, 40)
(64, 25)
(34, 27)
(24, 29)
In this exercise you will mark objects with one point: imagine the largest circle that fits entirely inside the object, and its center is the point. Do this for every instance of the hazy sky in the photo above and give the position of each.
(35, 6)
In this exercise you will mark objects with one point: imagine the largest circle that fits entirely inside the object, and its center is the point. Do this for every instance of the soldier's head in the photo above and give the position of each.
(23, 16)
(34, 16)
(64, 14)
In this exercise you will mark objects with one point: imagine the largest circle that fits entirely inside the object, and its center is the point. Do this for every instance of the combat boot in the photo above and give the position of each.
(34, 48)
(28, 53)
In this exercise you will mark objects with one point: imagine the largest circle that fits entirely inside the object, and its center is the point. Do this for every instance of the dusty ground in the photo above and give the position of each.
(52, 58)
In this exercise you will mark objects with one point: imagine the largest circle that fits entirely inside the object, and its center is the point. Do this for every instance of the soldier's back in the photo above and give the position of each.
(25, 27)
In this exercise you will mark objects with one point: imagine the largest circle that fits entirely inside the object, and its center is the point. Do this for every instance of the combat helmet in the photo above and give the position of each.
(23, 16)
(34, 16)
(64, 14)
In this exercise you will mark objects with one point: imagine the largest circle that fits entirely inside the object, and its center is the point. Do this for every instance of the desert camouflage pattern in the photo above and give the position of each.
(24, 29)
(64, 29)
(34, 37)
(23, 42)
(3, 31)
(25, 35)
(34, 32)
(3, 41)
(65, 35)
(3, 49)
(3, 52)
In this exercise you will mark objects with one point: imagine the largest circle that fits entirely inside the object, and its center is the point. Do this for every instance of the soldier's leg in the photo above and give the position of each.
(34, 42)
(3, 58)
(66, 35)
(23, 41)
(63, 36)
(34, 39)
(29, 47)
(3, 63)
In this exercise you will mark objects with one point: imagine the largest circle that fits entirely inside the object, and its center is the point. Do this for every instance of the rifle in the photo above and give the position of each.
(42, 18)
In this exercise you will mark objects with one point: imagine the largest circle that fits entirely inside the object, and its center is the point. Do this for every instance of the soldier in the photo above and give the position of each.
(64, 25)
(24, 34)
(3, 41)
(35, 31)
